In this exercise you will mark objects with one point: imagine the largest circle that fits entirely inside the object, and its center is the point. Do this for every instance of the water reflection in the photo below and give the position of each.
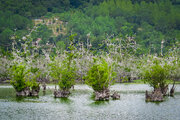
(20, 99)
(99, 103)
(64, 100)
(44, 93)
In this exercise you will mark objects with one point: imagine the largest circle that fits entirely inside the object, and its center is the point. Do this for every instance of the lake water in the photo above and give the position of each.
(81, 106)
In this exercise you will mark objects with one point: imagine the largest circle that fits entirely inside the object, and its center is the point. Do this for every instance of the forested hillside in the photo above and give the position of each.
(150, 23)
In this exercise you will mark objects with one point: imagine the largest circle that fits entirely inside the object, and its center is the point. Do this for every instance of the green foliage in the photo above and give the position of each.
(100, 75)
(68, 78)
(60, 46)
(44, 33)
(65, 71)
(18, 74)
(55, 70)
(94, 29)
(9, 23)
(33, 76)
(21, 77)
(25, 73)
(150, 20)
(5, 40)
(149, 39)
(157, 75)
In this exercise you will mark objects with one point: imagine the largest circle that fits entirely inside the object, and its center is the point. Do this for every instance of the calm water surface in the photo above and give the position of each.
(81, 106)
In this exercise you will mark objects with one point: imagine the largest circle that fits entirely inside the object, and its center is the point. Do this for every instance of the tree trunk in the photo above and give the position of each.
(164, 90)
(61, 93)
(115, 96)
(155, 96)
(172, 90)
(44, 86)
(102, 95)
(35, 91)
(25, 92)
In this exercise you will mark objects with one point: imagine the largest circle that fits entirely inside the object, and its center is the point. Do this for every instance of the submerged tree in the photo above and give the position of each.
(100, 77)
(64, 72)
(24, 80)
(18, 75)
(23, 69)
(156, 75)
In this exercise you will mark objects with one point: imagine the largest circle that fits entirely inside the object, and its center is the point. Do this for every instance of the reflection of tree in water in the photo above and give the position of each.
(95, 103)
(65, 100)
(20, 99)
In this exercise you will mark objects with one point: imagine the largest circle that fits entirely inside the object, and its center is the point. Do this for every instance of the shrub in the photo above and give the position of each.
(157, 75)
(65, 71)
(100, 75)
(68, 78)
(18, 75)
(34, 74)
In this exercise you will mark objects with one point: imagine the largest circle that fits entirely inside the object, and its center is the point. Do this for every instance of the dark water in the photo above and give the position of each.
(81, 106)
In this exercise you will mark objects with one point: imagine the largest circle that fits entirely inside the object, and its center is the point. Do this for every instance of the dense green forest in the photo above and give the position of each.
(150, 23)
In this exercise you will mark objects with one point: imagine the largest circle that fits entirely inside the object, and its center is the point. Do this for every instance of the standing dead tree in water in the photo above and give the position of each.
(44, 86)
(172, 89)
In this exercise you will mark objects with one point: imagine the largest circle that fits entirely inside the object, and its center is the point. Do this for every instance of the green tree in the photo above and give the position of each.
(42, 32)
(60, 46)
(5, 38)
(100, 75)
(156, 75)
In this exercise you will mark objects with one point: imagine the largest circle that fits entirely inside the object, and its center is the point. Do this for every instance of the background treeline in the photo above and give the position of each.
(16, 15)
(38, 8)
(149, 21)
